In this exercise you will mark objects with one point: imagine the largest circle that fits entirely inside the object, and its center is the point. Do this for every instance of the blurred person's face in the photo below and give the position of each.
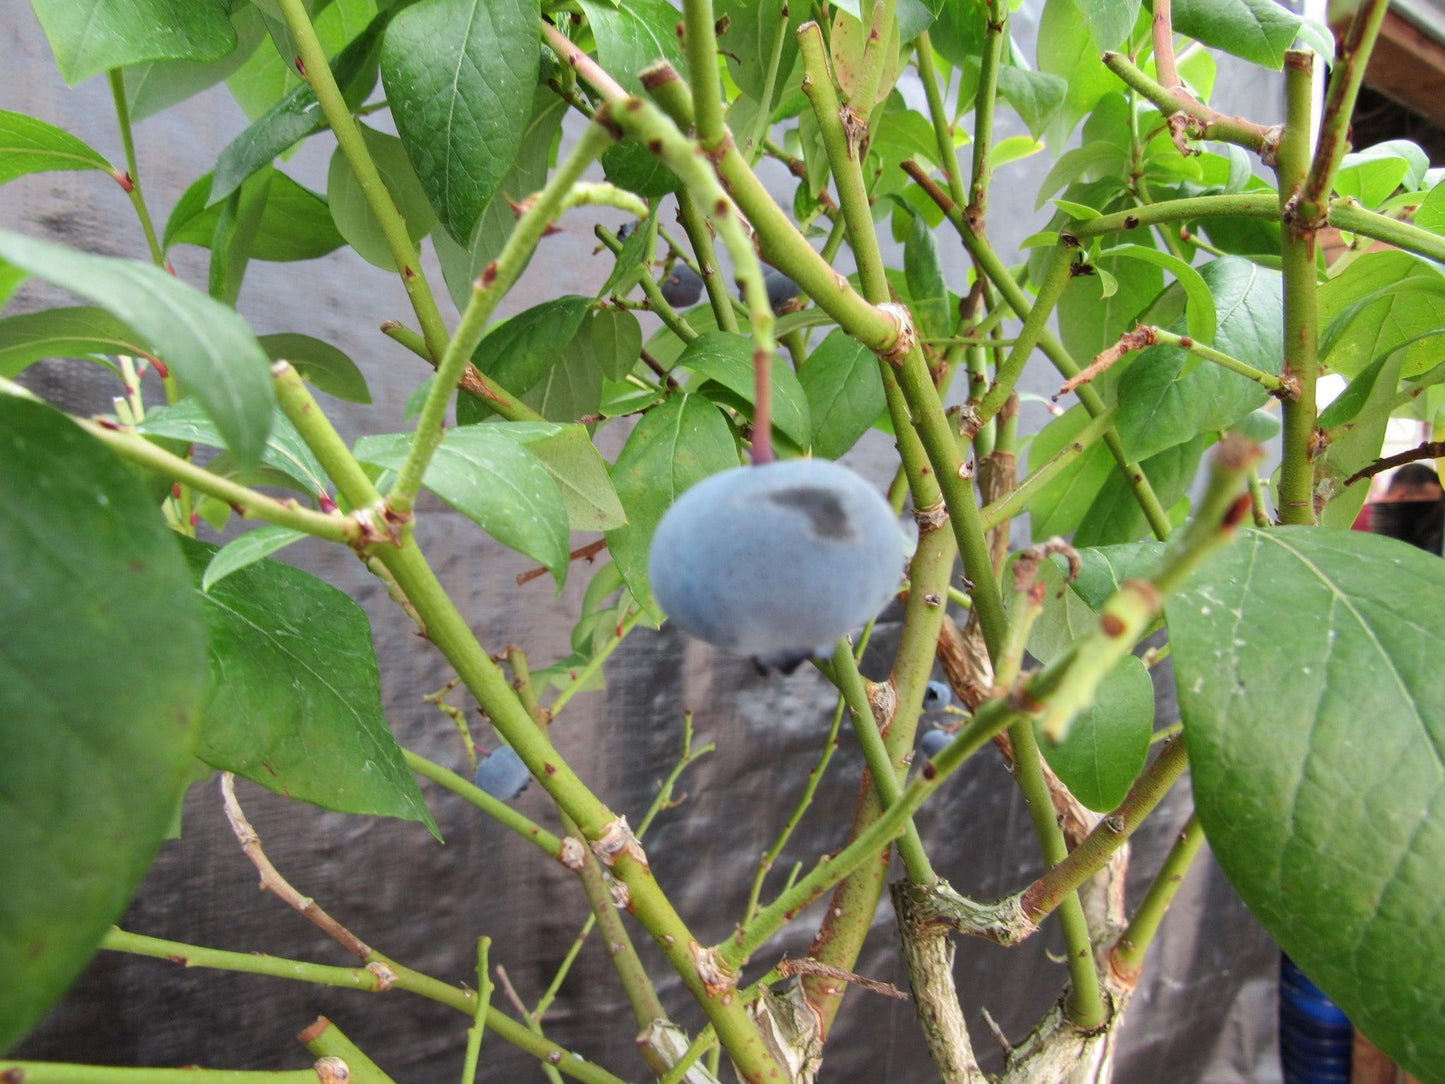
(1420, 491)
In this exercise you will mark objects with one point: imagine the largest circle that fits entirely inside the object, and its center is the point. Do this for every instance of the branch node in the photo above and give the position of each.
(904, 341)
(617, 839)
(573, 854)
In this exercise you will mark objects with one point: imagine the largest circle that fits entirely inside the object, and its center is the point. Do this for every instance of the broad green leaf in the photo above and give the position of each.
(520, 353)
(10, 279)
(848, 43)
(610, 340)
(1308, 665)
(673, 448)
(1431, 215)
(634, 259)
(234, 234)
(28, 145)
(157, 85)
(844, 391)
(1260, 31)
(1200, 308)
(728, 359)
(1108, 742)
(631, 34)
(1164, 400)
(284, 451)
(295, 696)
(100, 691)
(960, 31)
(295, 224)
(1090, 322)
(462, 264)
(1059, 507)
(1103, 570)
(579, 470)
(1091, 158)
(459, 76)
(1036, 96)
(1114, 515)
(494, 481)
(1110, 21)
(926, 288)
(1355, 444)
(632, 166)
(1066, 49)
(1370, 175)
(1013, 149)
(79, 332)
(298, 114)
(755, 28)
(92, 36)
(207, 346)
(352, 213)
(322, 364)
(1380, 302)
(246, 550)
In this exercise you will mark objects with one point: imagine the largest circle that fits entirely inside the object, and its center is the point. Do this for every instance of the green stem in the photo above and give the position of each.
(1349, 216)
(40, 1072)
(594, 664)
(1334, 134)
(875, 53)
(498, 277)
(303, 411)
(699, 235)
(655, 301)
(880, 763)
(1271, 383)
(1301, 304)
(1056, 277)
(757, 139)
(484, 1002)
(985, 102)
(1127, 957)
(1111, 833)
(1203, 122)
(938, 114)
(245, 502)
(1194, 208)
(1086, 1003)
(399, 332)
(316, 70)
(131, 183)
(700, 42)
(1018, 498)
(495, 808)
(325, 1039)
(388, 974)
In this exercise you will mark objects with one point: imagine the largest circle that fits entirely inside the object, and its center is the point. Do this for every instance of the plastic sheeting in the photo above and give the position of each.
(1205, 1008)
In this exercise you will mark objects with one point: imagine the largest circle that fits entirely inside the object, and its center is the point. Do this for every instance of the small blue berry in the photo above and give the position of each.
(502, 774)
(626, 230)
(683, 287)
(934, 742)
(937, 696)
(781, 289)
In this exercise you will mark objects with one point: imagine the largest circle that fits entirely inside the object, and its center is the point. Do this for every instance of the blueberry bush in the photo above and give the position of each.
(1176, 284)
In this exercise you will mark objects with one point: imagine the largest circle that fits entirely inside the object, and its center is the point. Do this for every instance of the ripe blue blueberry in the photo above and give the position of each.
(934, 742)
(777, 561)
(502, 774)
(937, 696)
(683, 287)
(625, 230)
(781, 289)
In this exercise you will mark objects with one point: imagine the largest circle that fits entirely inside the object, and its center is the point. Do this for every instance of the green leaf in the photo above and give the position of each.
(926, 287)
(461, 264)
(634, 259)
(1091, 158)
(1370, 175)
(631, 34)
(495, 482)
(236, 226)
(284, 451)
(1314, 706)
(1060, 506)
(295, 225)
(10, 279)
(1114, 516)
(632, 166)
(246, 550)
(1110, 21)
(747, 43)
(1066, 49)
(728, 359)
(459, 76)
(578, 468)
(1200, 307)
(1260, 31)
(295, 697)
(1090, 322)
(207, 346)
(100, 692)
(155, 86)
(353, 215)
(520, 353)
(844, 391)
(79, 332)
(1036, 96)
(1164, 401)
(322, 364)
(28, 145)
(1354, 444)
(1108, 742)
(1380, 302)
(609, 340)
(848, 43)
(673, 448)
(1431, 215)
(298, 114)
(1103, 570)
(92, 36)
